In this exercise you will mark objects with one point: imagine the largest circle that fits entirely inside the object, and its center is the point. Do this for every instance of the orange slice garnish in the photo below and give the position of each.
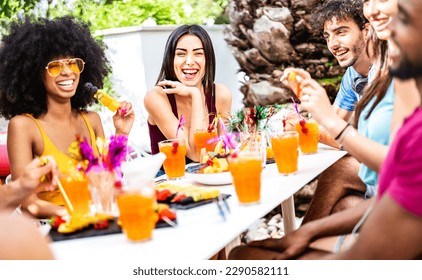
(292, 78)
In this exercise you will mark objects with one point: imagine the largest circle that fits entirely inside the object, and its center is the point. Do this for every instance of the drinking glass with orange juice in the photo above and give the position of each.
(308, 136)
(201, 137)
(175, 151)
(245, 168)
(137, 213)
(53, 196)
(269, 153)
(285, 148)
(76, 187)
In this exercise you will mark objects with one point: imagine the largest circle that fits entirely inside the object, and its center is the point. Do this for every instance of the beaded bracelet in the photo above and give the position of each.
(342, 131)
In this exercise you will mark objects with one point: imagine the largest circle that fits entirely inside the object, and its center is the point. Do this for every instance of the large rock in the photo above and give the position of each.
(266, 36)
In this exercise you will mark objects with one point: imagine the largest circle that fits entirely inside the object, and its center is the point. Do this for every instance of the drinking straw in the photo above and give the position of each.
(66, 198)
(182, 122)
(297, 110)
(44, 161)
(302, 121)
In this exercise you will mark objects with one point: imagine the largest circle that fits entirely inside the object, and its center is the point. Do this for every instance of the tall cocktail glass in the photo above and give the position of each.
(77, 190)
(308, 136)
(175, 162)
(137, 215)
(201, 137)
(246, 168)
(285, 148)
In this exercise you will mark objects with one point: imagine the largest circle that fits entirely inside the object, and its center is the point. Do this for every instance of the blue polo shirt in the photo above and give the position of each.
(347, 98)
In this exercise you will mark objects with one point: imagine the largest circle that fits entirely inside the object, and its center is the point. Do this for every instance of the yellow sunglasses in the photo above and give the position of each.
(55, 67)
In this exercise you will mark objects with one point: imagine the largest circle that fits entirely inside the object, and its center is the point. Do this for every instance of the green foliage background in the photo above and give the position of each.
(103, 14)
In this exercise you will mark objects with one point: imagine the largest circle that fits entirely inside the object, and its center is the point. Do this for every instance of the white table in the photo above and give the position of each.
(201, 231)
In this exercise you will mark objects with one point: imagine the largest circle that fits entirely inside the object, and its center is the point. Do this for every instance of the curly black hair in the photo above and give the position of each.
(341, 10)
(25, 52)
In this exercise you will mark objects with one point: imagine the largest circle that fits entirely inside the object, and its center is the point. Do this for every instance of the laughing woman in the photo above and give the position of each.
(44, 65)
(185, 87)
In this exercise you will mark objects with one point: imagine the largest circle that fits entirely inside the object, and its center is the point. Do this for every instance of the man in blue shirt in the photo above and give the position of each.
(345, 30)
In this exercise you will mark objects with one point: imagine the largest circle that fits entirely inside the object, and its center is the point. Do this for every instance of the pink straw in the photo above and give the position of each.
(182, 122)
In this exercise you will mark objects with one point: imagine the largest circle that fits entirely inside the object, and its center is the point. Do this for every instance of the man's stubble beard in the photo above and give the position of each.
(356, 51)
(406, 69)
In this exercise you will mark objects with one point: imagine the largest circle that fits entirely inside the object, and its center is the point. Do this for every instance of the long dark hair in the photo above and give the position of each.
(167, 67)
(382, 79)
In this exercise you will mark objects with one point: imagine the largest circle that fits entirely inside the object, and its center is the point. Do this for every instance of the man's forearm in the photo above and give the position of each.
(339, 223)
(325, 138)
(10, 196)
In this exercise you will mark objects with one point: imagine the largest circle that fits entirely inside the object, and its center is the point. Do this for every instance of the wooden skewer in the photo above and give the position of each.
(66, 198)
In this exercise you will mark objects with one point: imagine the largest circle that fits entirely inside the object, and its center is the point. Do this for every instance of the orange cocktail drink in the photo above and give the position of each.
(54, 196)
(137, 214)
(285, 147)
(201, 137)
(246, 168)
(308, 136)
(175, 151)
(269, 153)
(77, 190)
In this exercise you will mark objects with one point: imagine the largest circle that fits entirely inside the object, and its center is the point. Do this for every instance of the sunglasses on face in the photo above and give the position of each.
(55, 67)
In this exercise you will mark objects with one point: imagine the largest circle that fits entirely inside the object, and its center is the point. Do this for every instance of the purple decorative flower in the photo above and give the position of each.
(111, 154)
(117, 151)
(87, 154)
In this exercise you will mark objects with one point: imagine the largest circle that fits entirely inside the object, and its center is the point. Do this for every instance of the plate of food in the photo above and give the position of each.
(198, 174)
(100, 224)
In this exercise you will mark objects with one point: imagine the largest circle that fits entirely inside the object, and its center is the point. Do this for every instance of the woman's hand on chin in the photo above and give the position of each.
(175, 87)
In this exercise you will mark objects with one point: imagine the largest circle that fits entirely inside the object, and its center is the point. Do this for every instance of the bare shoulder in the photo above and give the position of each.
(95, 121)
(223, 99)
(222, 91)
(20, 120)
(22, 123)
(155, 96)
(93, 117)
(24, 141)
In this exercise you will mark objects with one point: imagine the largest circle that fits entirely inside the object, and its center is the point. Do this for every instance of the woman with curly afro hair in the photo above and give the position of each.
(44, 65)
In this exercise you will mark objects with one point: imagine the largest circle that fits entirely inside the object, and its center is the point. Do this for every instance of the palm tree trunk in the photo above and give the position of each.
(266, 36)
